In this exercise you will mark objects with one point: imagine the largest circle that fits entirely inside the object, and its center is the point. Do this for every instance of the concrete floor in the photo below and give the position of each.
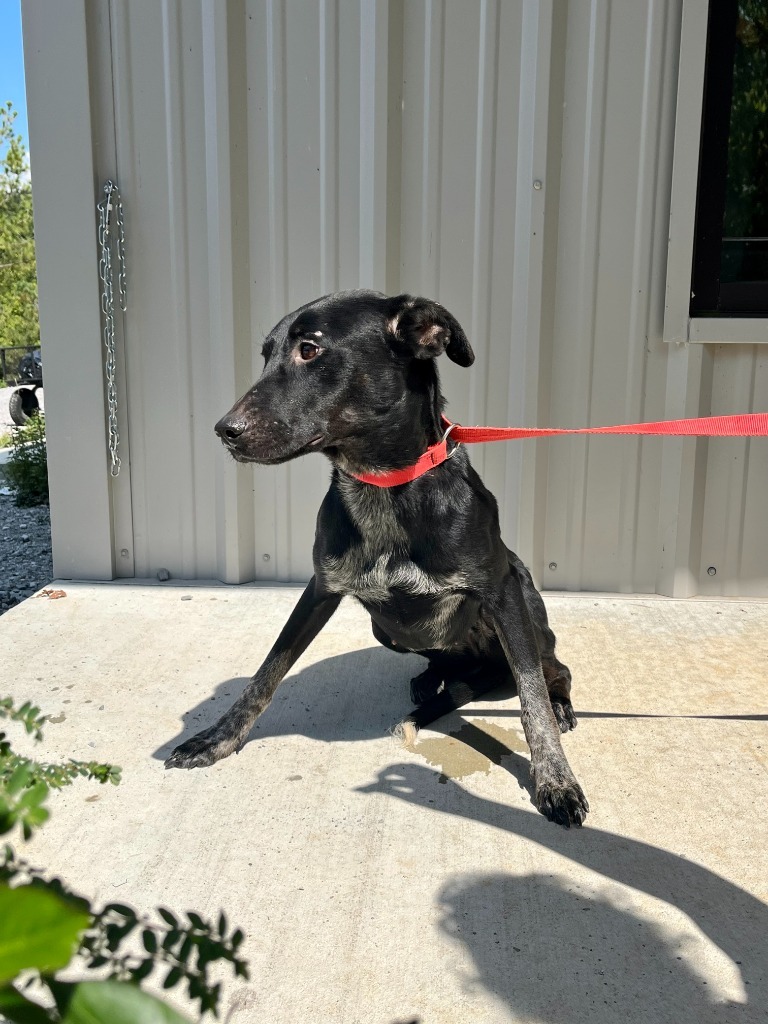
(377, 884)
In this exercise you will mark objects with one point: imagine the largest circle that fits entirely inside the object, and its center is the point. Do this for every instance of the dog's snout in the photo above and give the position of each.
(229, 428)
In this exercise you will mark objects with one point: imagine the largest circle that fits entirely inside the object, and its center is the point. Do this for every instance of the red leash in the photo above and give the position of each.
(739, 425)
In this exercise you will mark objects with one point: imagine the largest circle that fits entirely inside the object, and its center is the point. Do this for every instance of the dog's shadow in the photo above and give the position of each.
(354, 696)
(359, 695)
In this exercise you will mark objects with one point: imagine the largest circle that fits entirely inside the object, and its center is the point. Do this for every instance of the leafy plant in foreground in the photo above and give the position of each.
(25, 783)
(43, 924)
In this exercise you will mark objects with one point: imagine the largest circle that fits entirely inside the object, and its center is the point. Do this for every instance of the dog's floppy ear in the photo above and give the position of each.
(427, 330)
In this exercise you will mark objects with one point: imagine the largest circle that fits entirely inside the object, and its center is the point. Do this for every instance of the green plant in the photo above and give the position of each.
(27, 466)
(43, 924)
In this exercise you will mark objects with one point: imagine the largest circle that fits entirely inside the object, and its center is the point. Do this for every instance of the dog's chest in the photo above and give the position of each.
(379, 577)
(416, 608)
(378, 567)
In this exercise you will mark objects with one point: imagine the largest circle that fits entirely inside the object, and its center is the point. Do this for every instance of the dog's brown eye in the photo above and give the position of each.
(308, 351)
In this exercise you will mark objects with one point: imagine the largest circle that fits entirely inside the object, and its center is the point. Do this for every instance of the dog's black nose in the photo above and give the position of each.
(229, 428)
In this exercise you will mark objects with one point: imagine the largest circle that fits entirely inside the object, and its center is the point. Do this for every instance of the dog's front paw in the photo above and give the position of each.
(564, 713)
(562, 802)
(202, 750)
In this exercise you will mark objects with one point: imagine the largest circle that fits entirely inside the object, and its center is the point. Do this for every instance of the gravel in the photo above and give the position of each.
(26, 564)
(25, 535)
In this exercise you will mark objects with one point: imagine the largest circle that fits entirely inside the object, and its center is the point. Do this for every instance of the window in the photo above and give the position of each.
(730, 254)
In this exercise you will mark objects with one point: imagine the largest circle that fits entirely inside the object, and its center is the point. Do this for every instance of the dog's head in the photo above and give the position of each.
(351, 374)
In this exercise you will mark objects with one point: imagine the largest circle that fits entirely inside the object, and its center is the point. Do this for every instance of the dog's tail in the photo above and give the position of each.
(455, 694)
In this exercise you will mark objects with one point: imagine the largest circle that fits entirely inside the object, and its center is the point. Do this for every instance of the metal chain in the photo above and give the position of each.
(111, 202)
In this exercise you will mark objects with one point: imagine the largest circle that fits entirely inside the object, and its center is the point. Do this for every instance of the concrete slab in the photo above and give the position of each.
(378, 884)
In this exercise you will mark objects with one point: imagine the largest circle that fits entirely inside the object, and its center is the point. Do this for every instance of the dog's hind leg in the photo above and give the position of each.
(313, 610)
(457, 690)
(426, 685)
(557, 676)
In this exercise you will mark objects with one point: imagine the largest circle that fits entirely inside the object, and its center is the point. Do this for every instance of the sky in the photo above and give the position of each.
(12, 64)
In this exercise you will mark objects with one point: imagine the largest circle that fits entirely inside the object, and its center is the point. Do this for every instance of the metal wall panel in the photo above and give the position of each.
(511, 158)
(160, 160)
(60, 130)
(314, 83)
(610, 363)
(251, 173)
(736, 481)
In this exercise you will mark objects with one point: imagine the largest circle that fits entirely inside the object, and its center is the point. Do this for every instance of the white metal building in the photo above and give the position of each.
(532, 165)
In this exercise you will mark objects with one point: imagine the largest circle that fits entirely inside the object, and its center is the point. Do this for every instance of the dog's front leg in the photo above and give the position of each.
(558, 794)
(305, 622)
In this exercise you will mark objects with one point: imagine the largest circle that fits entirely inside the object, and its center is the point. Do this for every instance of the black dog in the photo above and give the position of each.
(353, 375)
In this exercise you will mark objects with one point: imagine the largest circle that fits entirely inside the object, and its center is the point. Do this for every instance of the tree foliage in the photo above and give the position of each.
(19, 323)
(747, 199)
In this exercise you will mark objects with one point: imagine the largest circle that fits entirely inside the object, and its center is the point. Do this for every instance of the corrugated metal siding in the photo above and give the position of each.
(161, 169)
(609, 361)
(735, 480)
(273, 150)
(315, 189)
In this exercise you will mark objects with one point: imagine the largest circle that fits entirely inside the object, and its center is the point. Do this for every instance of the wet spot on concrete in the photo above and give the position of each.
(470, 750)
(58, 719)
(294, 778)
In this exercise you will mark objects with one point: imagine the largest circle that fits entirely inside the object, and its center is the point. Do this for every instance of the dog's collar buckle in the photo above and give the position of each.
(444, 439)
(434, 456)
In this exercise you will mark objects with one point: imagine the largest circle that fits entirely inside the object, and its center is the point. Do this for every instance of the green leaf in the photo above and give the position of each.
(19, 1010)
(37, 929)
(173, 977)
(116, 1002)
(34, 796)
(19, 778)
(183, 952)
(143, 971)
(168, 917)
(121, 908)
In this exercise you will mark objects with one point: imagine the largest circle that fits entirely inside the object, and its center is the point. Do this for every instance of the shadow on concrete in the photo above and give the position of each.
(354, 696)
(510, 925)
(515, 713)
(558, 955)
(360, 695)
(351, 697)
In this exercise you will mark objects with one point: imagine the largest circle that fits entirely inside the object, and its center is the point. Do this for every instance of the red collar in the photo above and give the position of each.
(433, 456)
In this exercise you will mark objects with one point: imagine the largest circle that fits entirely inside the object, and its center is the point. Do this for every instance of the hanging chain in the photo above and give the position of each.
(111, 203)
